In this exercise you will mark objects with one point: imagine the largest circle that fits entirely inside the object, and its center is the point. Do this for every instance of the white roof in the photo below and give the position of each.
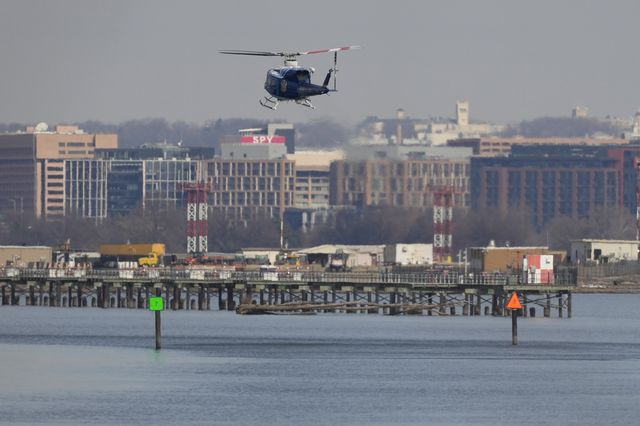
(26, 247)
(587, 240)
(331, 249)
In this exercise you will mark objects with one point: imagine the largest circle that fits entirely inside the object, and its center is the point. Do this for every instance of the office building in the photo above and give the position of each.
(121, 181)
(402, 183)
(244, 189)
(311, 200)
(502, 146)
(551, 181)
(32, 166)
(105, 188)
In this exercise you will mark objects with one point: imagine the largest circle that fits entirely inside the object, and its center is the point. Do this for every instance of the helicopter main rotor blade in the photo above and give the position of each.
(250, 53)
(289, 55)
(335, 49)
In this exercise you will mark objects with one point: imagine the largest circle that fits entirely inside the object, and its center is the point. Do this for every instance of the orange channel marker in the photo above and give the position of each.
(514, 302)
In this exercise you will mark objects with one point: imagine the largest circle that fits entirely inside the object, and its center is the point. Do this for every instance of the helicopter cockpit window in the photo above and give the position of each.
(303, 77)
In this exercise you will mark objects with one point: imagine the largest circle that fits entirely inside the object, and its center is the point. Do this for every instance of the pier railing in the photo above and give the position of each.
(288, 277)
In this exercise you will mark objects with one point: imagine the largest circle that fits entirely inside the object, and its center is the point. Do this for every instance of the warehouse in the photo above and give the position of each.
(25, 256)
(603, 251)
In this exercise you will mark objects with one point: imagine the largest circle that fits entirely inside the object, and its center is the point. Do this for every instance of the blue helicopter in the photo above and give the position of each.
(293, 82)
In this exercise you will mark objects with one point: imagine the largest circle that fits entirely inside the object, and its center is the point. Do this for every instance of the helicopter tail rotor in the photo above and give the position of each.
(335, 69)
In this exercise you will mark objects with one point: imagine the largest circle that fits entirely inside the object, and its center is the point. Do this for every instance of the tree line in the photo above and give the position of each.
(563, 127)
(321, 133)
(373, 225)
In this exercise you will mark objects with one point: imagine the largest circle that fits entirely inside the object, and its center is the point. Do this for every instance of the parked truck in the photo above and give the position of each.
(149, 254)
(288, 258)
(338, 261)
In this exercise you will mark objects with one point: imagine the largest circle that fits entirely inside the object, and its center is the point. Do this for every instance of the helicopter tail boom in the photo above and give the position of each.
(327, 78)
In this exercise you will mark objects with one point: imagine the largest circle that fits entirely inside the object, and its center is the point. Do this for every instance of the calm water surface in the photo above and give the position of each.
(95, 366)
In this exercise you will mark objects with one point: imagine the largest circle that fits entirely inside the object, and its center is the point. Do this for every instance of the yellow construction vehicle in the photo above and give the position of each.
(144, 254)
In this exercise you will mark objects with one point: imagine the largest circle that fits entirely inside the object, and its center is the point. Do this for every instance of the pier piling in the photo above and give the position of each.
(352, 293)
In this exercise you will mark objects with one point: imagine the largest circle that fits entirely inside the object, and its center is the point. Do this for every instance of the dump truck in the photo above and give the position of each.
(149, 254)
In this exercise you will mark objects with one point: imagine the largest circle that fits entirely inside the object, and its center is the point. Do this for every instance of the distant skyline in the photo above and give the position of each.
(78, 60)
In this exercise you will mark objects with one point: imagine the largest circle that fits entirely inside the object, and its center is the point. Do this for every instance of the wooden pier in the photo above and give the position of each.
(431, 293)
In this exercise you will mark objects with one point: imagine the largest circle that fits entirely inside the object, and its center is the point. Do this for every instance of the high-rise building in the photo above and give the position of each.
(32, 170)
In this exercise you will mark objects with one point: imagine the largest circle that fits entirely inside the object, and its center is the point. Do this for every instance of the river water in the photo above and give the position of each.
(98, 366)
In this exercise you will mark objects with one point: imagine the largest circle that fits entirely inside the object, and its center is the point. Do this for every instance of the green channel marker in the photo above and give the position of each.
(156, 304)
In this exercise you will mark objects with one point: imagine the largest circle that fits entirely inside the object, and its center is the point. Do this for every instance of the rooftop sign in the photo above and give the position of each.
(263, 139)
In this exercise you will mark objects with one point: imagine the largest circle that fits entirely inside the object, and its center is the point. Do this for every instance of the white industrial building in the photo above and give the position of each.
(408, 254)
(603, 251)
(357, 255)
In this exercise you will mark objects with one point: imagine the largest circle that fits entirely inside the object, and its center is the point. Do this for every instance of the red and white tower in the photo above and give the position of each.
(197, 216)
(442, 224)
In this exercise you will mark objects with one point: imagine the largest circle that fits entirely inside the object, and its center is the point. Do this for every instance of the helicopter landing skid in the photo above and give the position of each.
(305, 102)
(269, 102)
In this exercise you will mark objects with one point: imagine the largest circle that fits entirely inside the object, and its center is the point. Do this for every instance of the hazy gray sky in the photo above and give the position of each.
(65, 60)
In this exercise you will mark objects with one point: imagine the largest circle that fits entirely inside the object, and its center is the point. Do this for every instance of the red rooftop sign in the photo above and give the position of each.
(262, 139)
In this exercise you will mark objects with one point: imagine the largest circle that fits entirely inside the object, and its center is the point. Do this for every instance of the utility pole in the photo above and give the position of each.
(466, 262)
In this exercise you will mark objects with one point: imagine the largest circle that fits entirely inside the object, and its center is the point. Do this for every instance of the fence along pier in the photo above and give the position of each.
(248, 292)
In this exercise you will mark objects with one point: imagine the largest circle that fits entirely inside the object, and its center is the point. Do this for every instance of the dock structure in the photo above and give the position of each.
(253, 292)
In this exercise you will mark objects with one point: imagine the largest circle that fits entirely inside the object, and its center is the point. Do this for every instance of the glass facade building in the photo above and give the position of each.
(85, 190)
(102, 188)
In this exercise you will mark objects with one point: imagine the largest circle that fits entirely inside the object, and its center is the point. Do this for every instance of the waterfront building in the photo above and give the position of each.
(603, 251)
(25, 256)
(506, 259)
